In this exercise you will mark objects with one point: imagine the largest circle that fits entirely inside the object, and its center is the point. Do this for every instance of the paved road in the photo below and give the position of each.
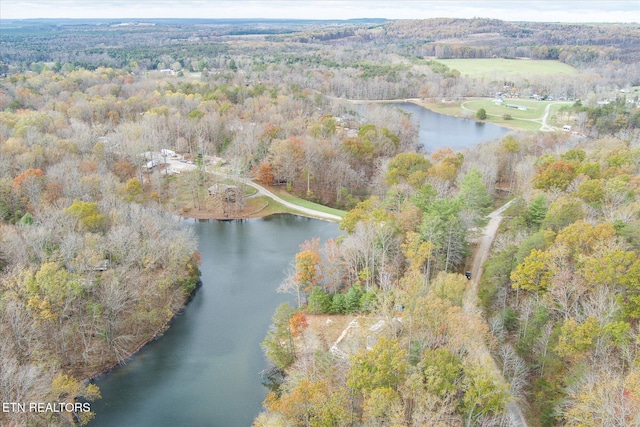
(307, 211)
(482, 254)
(178, 165)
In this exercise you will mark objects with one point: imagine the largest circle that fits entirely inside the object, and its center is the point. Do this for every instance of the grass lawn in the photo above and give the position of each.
(499, 67)
(496, 113)
(558, 119)
(535, 109)
(514, 124)
(305, 203)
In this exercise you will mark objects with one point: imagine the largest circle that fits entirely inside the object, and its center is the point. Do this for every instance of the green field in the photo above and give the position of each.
(535, 109)
(522, 121)
(499, 67)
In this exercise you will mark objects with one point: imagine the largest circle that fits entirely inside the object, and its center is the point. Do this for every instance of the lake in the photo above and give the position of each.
(439, 131)
(205, 370)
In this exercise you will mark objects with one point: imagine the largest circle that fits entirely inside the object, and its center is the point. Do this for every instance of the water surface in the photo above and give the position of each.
(439, 131)
(205, 370)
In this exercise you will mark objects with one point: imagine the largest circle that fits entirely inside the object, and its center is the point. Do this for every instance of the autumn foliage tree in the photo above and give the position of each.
(307, 264)
(555, 175)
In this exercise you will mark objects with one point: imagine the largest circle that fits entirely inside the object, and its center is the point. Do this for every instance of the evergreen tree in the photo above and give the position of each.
(278, 344)
(537, 210)
(473, 193)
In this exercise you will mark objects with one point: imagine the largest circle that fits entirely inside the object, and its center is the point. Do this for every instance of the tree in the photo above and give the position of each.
(484, 392)
(557, 175)
(87, 214)
(319, 301)
(384, 366)
(278, 344)
(591, 191)
(382, 407)
(604, 399)
(577, 338)
(481, 114)
(562, 212)
(473, 193)
(408, 167)
(442, 371)
(534, 273)
(620, 270)
(133, 188)
(30, 183)
(297, 323)
(264, 173)
(307, 264)
(311, 404)
(537, 210)
(450, 287)
(64, 387)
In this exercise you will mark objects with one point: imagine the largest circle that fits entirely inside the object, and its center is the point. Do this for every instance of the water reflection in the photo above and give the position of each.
(205, 369)
(439, 131)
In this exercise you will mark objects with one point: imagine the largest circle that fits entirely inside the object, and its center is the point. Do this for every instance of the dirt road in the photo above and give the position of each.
(470, 305)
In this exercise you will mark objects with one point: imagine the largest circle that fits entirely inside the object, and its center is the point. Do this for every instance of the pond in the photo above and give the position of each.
(205, 370)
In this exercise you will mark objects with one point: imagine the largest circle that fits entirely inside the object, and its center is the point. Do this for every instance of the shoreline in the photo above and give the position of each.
(156, 336)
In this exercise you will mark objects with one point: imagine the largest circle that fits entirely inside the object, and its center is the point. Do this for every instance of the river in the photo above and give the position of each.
(205, 370)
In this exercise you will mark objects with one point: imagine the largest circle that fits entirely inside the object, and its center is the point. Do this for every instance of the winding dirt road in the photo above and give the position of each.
(513, 409)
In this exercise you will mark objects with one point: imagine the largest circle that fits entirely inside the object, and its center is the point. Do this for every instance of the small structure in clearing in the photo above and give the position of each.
(230, 192)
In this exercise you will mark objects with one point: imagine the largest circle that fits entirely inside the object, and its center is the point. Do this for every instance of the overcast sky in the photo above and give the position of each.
(523, 10)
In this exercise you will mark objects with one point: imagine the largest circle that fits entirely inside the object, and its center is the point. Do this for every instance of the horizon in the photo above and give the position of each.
(623, 11)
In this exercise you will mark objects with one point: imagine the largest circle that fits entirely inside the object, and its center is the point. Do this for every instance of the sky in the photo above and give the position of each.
(509, 10)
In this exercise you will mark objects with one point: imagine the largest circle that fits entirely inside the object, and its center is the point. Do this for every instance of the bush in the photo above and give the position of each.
(481, 114)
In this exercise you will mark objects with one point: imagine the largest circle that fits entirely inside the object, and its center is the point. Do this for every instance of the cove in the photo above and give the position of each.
(439, 131)
(204, 370)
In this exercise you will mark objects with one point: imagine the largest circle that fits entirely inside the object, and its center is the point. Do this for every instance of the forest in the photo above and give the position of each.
(93, 264)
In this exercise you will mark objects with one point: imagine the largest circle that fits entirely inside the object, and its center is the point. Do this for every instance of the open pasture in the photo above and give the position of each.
(500, 67)
(534, 109)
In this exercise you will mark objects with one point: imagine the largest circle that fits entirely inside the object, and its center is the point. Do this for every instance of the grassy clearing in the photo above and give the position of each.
(305, 203)
(514, 124)
(535, 109)
(498, 67)
(496, 114)
(558, 119)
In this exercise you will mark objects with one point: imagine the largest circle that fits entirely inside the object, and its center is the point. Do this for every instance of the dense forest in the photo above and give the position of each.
(92, 265)
(559, 297)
